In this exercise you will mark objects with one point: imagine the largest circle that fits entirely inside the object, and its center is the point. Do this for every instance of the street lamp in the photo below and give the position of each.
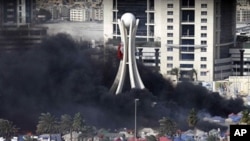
(135, 118)
(248, 79)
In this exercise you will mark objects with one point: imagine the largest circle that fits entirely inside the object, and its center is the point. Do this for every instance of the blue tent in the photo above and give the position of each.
(235, 118)
(184, 137)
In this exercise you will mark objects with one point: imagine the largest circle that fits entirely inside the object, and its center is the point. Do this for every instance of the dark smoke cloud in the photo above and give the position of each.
(63, 76)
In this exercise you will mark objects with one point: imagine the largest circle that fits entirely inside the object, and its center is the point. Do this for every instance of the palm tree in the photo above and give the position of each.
(47, 124)
(66, 125)
(191, 74)
(194, 72)
(78, 122)
(175, 71)
(7, 129)
(89, 131)
(167, 127)
(79, 125)
(192, 118)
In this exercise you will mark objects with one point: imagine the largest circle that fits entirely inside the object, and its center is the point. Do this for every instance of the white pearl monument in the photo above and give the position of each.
(127, 18)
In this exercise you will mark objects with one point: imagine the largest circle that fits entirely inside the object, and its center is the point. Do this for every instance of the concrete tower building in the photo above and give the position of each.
(16, 25)
(16, 12)
(193, 34)
(243, 11)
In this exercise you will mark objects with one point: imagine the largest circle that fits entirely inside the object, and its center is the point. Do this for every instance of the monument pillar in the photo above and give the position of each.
(128, 27)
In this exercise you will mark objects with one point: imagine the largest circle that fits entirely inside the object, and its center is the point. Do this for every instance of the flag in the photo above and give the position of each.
(120, 51)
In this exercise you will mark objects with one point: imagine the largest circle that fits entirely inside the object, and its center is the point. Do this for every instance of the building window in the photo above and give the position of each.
(203, 20)
(170, 27)
(170, 20)
(203, 34)
(203, 42)
(170, 5)
(203, 12)
(170, 42)
(203, 73)
(169, 65)
(203, 27)
(203, 5)
(169, 58)
(170, 34)
(170, 13)
(203, 66)
(170, 49)
(203, 58)
(203, 49)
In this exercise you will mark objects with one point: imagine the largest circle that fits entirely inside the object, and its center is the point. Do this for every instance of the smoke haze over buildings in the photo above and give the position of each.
(63, 76)
(92, 30)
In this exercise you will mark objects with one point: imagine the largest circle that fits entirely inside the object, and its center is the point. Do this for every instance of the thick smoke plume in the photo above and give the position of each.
(63, 76)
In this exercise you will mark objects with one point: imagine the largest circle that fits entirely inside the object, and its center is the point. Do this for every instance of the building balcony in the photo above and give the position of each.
(187, 7)
(187, 50)
(151, 35)
(115, 21)
(185, 21)
(150, 10)
(150, 22)
(21, 37)
(115, 9)
(185, 60)
(187, 36)
(148, 44)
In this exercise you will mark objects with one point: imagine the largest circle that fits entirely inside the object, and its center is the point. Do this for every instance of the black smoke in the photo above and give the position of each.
(64, 76)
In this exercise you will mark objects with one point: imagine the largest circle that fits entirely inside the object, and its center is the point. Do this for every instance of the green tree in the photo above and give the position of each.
(194, 72)
(47, 124)
(175, 71)
(66, 125)
(7, 129)
(167, 127)
(88, 131)
(192, 118)
(79, 125)
(78, 122)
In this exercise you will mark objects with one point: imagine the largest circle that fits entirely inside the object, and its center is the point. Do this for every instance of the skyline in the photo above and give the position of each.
(62, 75)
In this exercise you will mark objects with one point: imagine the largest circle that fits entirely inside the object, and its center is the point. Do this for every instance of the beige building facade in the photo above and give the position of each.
(79, 14)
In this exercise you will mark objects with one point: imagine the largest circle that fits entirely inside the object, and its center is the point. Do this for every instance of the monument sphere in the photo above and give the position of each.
(127, 18)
